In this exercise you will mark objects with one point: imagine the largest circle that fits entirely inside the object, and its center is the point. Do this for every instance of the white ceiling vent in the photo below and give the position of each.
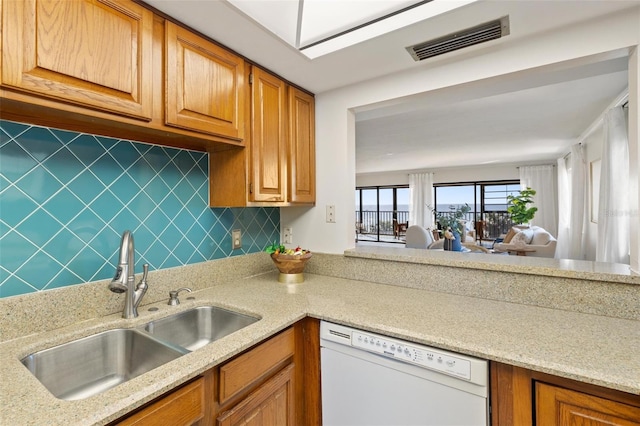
(460, 39)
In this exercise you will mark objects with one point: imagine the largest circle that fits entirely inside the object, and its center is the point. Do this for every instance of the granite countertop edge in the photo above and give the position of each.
(562, 268)
(364, 305)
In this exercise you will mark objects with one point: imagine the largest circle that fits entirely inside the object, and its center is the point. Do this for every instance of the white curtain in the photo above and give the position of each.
(542, 179)
(579, 210)
(420, 199)
(572, 210)
(564, 209)
(613, 212)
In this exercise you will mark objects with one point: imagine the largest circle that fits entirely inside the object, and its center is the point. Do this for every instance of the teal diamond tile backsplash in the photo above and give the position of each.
(67, 197)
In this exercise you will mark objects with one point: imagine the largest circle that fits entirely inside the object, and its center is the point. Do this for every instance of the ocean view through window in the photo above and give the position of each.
(382, 212)
(488, 216)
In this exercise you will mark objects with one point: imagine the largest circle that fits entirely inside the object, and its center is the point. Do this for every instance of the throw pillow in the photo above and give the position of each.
(520, 239)
(512, 232)
(528, 235)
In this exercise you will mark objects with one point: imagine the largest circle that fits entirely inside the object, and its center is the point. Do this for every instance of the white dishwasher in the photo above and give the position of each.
(369, 379)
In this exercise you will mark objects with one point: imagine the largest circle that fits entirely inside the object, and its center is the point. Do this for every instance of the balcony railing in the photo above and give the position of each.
(380, 223)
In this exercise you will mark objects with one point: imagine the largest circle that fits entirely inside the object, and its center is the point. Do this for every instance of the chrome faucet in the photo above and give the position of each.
(124, 279)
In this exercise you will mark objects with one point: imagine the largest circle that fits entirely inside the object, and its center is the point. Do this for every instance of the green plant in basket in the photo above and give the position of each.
(275, 248)
(281, 249)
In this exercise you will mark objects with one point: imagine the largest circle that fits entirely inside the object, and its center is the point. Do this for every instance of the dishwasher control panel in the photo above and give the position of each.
(415, 354)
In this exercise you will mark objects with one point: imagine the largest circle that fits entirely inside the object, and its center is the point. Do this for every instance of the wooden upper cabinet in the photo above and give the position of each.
(94, 53)
(204, 85)
(278, 162)
(302, 148)
(269, 138)
(556, 406)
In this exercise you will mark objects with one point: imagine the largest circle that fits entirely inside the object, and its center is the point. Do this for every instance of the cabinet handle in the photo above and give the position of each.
(250, 187)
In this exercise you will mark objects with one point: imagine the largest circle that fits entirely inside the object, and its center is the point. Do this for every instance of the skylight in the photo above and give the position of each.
(320, 27)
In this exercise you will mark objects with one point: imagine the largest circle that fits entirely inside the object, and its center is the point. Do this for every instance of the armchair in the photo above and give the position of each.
(418, 237)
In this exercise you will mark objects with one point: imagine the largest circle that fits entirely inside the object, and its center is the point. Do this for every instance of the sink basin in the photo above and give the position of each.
(88, 366)
(197, 327)
(93, 364)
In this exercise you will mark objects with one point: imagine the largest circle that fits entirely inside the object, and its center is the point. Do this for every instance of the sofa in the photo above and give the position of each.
(537, 241)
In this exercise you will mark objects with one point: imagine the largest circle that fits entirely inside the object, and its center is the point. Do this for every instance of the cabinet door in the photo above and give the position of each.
(268, 144)
(302, 148)
(272, 404)
(556, 406)
(204, 85)
(95, 53)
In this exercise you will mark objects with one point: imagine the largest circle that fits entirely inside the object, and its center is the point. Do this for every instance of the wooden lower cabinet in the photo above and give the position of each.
(272, 404)
(275, 383)
(521, 397)
(556, 405)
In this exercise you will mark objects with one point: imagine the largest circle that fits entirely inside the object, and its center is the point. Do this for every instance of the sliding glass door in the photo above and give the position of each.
(488, 202)
(382, 213)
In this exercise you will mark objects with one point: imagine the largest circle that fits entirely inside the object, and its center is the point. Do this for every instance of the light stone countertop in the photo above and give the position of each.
(590, 348)
(562, 268)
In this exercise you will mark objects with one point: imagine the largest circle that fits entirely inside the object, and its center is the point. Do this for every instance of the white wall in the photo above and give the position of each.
(445, 175)
(335, 130)
(381, 179)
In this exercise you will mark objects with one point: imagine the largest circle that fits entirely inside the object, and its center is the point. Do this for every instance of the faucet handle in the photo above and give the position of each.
(142, 285)
(145, 272)
(173, 296)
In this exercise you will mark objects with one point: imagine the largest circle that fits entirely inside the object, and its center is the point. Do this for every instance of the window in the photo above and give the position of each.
(495, 196)
(378, 211)
(488, 202)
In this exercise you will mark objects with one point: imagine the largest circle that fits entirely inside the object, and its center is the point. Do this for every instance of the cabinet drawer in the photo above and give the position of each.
(247, 369)
(186, 406)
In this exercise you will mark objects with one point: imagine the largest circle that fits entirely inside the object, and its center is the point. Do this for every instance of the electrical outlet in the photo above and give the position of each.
(287, 236)
(236, 239)
(331, 214)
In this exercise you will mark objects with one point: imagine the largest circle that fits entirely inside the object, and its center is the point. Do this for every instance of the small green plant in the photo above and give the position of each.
(454, 218)
(517, 206)
(281, 249)
(275, 248)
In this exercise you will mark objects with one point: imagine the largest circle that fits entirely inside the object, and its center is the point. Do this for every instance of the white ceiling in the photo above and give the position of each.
(488, 123)
(526, 120)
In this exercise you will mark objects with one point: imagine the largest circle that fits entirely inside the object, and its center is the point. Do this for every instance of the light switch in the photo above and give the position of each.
(331, 214)
(287, 236)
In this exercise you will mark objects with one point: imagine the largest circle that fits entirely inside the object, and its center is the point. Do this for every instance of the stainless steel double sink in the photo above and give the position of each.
(93, 364)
